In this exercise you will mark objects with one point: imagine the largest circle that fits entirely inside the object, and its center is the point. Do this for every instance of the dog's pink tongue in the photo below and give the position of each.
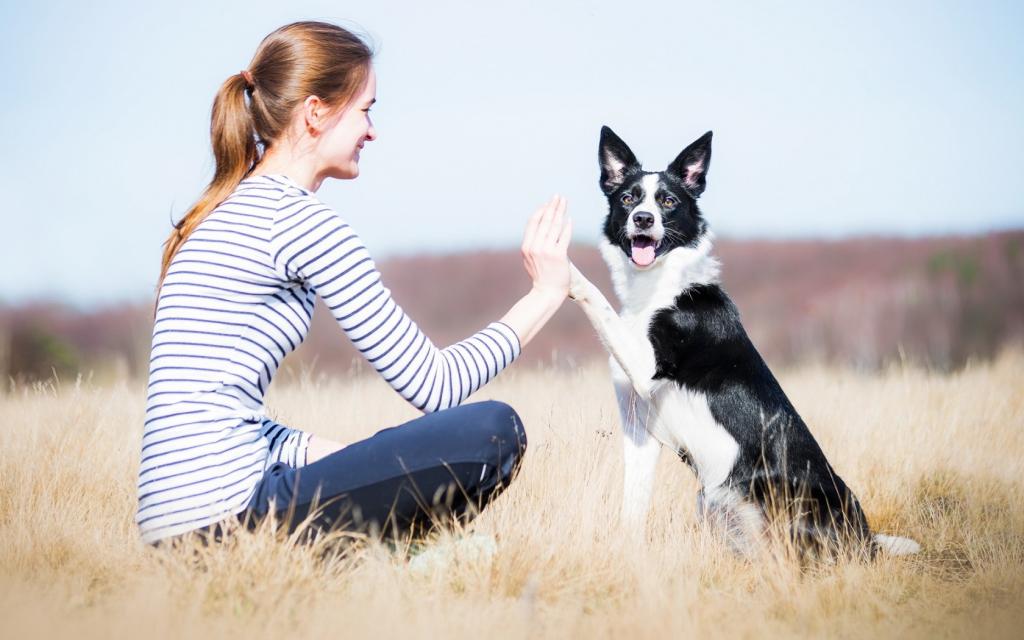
(643, 252)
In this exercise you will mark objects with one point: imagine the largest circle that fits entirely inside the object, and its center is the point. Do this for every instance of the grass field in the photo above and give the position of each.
(937, 457)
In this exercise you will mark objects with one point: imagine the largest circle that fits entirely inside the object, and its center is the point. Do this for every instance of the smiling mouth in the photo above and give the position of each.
(643, 250)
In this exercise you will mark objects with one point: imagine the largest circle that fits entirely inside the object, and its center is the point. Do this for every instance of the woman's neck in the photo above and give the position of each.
(289, 160)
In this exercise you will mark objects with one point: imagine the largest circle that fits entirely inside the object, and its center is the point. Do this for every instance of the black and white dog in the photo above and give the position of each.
(687, 376)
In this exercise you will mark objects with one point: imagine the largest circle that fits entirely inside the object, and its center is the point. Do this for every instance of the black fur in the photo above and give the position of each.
(700, 344)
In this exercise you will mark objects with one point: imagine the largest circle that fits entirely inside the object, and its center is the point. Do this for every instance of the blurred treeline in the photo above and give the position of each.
(862, 302)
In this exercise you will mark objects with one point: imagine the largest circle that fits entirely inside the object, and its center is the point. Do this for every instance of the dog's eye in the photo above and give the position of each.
(669, 202)
(627, 199)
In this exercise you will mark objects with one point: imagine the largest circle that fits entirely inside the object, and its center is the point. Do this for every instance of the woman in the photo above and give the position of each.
(240, 275)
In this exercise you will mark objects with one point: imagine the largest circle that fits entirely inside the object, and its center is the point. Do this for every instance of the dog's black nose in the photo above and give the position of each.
(643, 220)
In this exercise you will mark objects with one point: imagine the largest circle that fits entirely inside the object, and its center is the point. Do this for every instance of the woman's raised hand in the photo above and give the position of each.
(545, 248)
(545, 256)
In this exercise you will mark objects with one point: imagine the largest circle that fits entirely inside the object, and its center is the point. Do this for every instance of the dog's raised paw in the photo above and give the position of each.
(578, 284)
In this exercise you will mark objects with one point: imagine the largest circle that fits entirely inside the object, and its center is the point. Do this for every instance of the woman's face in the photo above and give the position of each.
(347, 131)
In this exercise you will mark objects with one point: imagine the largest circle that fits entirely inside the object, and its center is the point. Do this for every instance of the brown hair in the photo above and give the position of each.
(296, 61)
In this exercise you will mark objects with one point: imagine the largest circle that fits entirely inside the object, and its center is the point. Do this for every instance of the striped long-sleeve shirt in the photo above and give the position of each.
(237, 298)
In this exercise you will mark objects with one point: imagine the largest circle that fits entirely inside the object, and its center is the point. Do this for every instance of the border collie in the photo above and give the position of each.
(687, 376)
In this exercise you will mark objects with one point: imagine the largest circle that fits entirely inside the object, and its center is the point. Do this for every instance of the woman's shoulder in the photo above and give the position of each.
(284, 201)
(302, 225)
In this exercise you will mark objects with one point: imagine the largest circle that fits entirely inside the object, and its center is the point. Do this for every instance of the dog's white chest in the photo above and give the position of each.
(679, 418)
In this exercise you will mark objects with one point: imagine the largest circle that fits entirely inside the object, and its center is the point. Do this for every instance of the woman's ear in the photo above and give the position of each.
(313, 110)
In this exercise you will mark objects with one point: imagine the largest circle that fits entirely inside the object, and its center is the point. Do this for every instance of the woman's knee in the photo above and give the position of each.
(504, 427)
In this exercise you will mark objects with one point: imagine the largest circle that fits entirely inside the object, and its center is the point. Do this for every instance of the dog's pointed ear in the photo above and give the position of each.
(691, 166)
(617, 161)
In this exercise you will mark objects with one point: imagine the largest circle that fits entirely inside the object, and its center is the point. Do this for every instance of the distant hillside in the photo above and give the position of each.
(861, 301)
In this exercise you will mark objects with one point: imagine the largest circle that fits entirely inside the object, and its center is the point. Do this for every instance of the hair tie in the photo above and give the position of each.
(249, 84)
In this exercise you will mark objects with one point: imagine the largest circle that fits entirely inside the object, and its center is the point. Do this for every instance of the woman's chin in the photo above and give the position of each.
(348, 173)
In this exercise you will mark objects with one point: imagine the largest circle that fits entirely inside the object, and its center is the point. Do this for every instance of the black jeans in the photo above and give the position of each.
(440, 467)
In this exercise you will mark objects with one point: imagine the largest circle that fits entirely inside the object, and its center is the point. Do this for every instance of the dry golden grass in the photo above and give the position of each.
(933, 456)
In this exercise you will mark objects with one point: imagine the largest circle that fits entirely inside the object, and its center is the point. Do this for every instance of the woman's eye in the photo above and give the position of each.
(627, 199)
(669, 202)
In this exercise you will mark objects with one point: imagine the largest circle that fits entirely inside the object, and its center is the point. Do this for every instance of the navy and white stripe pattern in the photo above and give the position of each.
(238, 297)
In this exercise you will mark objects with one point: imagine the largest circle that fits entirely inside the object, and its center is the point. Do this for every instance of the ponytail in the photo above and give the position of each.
(235, 153)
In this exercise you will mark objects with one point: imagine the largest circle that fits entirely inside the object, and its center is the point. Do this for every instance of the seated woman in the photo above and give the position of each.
(240, 275)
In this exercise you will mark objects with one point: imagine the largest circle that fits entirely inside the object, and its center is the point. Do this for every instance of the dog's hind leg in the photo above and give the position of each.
(739, 520)
(634, 356)
(640, 457)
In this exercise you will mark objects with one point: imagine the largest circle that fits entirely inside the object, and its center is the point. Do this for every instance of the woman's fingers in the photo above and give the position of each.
(545, 245)
(558, 226)
(544, 224)
(566, 235)
(531, 228)
(557, 221)
(534, 227)
(548, 231)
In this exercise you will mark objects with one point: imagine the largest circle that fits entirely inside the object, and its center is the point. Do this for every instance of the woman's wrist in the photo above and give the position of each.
(551, 296)
(533, 310)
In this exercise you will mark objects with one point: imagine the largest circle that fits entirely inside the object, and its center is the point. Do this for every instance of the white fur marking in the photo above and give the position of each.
(739, 520)
(640, 453)
(642, 292)
(684, 420)
(650, 205)
(897, 545)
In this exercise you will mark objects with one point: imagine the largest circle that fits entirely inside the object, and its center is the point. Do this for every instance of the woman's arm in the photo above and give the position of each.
(311, 244)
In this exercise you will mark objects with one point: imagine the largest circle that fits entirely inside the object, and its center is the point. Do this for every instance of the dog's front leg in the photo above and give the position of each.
(640, 457)
(636, 357)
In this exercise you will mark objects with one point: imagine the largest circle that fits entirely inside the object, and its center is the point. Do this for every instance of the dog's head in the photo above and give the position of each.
(650, 214)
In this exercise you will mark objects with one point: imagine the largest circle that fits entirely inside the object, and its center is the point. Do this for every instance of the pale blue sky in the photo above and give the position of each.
(830, 119)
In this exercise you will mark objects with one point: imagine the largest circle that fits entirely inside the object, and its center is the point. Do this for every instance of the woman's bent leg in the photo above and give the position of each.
(441, 466)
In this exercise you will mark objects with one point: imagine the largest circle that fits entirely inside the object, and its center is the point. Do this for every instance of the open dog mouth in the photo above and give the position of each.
(643, 251)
